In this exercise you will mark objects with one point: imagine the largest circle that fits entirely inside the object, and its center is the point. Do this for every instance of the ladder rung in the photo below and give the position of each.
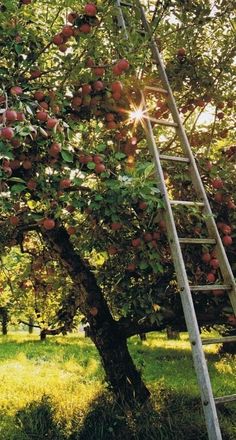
(156, 89)
(211, 287)
(129, 5)
(225, 399)
(219, 340)
(197, 240)
(174, 158)
(185, 202)
(163, 122)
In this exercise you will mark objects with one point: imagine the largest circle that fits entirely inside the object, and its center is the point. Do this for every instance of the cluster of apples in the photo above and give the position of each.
(77, 25)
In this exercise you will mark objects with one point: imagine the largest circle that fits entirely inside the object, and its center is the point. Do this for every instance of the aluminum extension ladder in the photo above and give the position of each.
(208, 401)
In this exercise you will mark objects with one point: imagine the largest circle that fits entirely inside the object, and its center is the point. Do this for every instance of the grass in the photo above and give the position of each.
(55, 390)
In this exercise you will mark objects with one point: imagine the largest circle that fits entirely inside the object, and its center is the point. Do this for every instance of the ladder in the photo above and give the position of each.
(185, 288)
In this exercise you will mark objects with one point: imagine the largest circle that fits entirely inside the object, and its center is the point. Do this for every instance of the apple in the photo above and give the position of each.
(42, 116)
(227, 240)
(226, 229)
(116, 70)
(214, 263)
(39, 95)
(217, 183)
(48, 224)
(99, 168)
(97, 158)
(142, 205)
(76, 101)
(16, 90)
(27, 164)
(93, 311)
(181, 52)
(98, 86)
(211, 277)
(131, 267)
(14, 220)
(112, 250)
(11, 115)
(112, 125)
(58, 39)
(20, 116)
(43, 105)
(35, 74)
(85, 28)
(218, 197)
(15, 164)
(90, 10)
(52, 122)
(136, 242)
(71, 230)
(232, 320)
(116, 226)
(99, 71)
(63, 48)
(67, 31)
(54, 149)
(116, 87)
(64, 183)
(86, 89)
(31, 184)
(7, 133)
(123, 64)
(71, 17)
(206, 257)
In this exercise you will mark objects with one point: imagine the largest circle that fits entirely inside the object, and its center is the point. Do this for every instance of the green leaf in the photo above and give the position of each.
(5, 152)
(15, 189)
(143, 265)
(91, 165)
(101, 147)
(120, 156)
(16, 179)
(67, 156)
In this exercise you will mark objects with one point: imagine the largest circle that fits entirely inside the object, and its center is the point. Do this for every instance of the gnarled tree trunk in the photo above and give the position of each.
(105, 332)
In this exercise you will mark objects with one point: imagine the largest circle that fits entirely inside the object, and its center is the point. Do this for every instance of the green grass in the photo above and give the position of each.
(55, 390)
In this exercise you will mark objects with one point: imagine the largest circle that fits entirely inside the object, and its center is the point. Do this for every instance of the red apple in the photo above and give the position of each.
(206, 257)
(11, 115)
(116, 226)
(100, 168)
(85, 28)
(65, 183)
(16, 90)
(71, 230)
(31, 184)
(39, 95)
(7, 133)
(27, 164)
(52, 122)
(58, 40)
(54, 149)
(41, 116)
(49, 224)
(131, 267)
(227, 240)
(217, 183)
(14, 220)
(211, 277)
(123, 64)
(136, 242)
(67, 31)
(116, 87)
(90, 10)
(214, 263)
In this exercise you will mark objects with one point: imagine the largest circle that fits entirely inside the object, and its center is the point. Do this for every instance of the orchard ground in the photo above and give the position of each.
(55, 390)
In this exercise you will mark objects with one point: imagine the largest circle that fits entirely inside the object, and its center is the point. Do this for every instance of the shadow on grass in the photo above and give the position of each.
(168, 416)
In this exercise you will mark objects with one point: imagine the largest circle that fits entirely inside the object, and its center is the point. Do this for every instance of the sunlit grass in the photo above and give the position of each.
(67, 371)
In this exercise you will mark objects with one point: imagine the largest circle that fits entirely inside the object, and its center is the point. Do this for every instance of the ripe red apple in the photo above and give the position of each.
(211, 277)
(16, 90)
(41, 116)
(63, 48)
(31, 184)
(49, 224)
(39, 95)
(111, 125)
(15, 164)
(67, 31)
(90, 10)
(11, 115)
(226, 229)
(43, 105)
(71, 17)
(7, 133)
(116, 70)
(99, 71)
(232, 320)
(136, 242)
(217, 183)
(85, 28)
(97, 158)
(109, 117)
(99, 168)
(181, 52)
(116, 226)
(86, 89)
(112, 250)
(76, 101)
(14, 220)
(54, 149)
(131, 267)
(64, 183)
(98, 86)
(52, 122)
(123, 64)
(58, 39)
(206, 257)
(218, 197)
(71, 230)
(116, 87)
(214, 263)
(227, 240)
(27, 164)
(35, 73)
(142, 205)
(20, 116)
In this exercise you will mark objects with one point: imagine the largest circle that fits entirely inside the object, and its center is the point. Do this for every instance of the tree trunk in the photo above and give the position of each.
(172, 334)
(43, 335)
(105, 332)
(31, 325)
(4, 321)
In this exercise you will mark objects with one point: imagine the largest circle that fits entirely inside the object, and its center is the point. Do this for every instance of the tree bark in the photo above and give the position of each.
(4, 320)
(31, 325)
(105, 332)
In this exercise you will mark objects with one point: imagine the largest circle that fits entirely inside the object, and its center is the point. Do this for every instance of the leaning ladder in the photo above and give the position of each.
(185, 289)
